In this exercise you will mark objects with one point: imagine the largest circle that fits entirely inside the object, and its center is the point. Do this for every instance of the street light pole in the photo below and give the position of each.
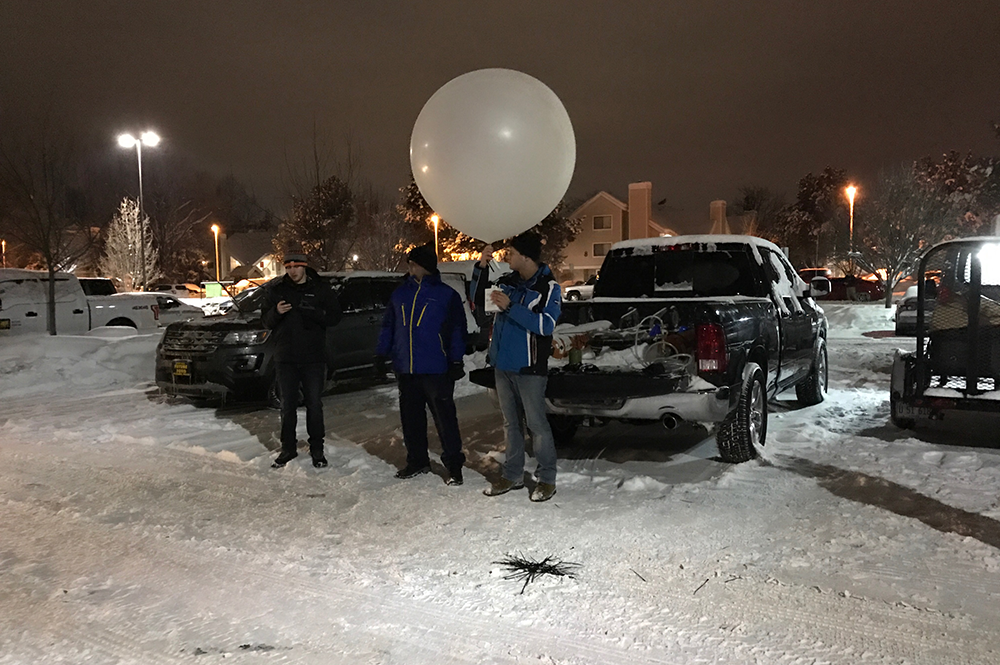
(127, 141)
(851, 191)
(215, 230)
(435, 219)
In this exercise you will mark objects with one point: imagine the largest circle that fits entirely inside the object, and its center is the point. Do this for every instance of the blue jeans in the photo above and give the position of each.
(310, 377)
(525, 394)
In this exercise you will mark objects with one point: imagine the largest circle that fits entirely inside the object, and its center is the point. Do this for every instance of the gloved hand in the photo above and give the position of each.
(456, 371)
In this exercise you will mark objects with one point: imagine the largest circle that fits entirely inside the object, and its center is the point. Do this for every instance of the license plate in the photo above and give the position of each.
(907, 411)
(181, 368)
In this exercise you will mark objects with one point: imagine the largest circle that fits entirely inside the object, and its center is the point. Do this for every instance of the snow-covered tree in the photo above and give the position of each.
(123, 255)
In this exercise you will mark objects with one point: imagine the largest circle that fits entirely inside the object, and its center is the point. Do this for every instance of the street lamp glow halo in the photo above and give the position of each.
(150, 138)
(126, 140)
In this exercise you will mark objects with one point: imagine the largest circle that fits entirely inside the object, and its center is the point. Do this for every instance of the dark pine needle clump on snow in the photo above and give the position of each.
(521, 568)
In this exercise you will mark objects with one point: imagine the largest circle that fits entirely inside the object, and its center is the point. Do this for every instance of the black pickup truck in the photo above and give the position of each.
(690, 328)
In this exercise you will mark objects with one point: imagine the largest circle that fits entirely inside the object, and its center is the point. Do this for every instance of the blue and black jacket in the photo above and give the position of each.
(424, 328)
(522, 335)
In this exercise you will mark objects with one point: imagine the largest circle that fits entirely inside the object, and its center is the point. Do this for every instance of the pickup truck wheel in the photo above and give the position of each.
(902, 423)
(813, 389)
(563, 428)
(744, 430)
(128, 323)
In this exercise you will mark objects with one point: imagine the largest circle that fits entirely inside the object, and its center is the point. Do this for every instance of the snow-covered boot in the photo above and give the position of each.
(284, 458)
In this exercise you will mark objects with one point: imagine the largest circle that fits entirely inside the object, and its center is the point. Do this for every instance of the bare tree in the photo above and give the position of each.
(898, 220)
(44, 207)
(123, 255)
(384, 237)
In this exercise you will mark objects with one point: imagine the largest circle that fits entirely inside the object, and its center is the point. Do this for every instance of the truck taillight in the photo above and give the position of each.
(711, 352)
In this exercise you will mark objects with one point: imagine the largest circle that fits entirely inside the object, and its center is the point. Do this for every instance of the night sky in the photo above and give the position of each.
(698, 97)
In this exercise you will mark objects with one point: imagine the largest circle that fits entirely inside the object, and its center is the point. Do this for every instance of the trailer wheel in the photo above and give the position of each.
(813, 389)
(743, 431)
(897, 420)
(563, 428)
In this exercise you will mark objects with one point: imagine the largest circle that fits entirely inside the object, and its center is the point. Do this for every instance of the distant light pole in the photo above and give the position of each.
(215, 230)
(4, 244)
(435, 219)
(851, 191)
(127, 141)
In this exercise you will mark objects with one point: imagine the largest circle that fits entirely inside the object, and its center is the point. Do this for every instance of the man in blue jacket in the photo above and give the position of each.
(529, 300)
(423, 331)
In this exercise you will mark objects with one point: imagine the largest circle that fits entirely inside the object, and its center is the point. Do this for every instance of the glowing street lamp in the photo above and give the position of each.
(127, 141)
(4, 244)
(435, 219)
(851, 191)
(215, 230)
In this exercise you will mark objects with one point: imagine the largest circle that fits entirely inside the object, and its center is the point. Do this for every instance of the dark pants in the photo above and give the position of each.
(436, 391)
(310, 378)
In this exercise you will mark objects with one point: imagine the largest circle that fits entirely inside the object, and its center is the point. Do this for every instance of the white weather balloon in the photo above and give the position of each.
(493, 152)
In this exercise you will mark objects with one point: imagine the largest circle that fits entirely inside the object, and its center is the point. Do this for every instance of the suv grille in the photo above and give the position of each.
(191, 341)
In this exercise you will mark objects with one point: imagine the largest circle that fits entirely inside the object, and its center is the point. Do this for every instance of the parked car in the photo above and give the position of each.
(233, 355)
(172, 310)
(581, 290)
(906, 308)
(955, 367)
(24, 298)
(691, 328)
(807, 274)
(864, 290)
(182, 290)
(98, 286)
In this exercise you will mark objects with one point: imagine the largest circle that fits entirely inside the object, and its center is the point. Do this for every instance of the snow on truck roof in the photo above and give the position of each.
(706, 239)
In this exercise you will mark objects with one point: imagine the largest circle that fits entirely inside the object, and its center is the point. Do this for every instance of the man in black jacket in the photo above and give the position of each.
(298, 308)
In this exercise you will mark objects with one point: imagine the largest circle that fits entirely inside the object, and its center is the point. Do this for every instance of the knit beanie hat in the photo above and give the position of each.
(424, 257)
(296, 259)
(528, 244)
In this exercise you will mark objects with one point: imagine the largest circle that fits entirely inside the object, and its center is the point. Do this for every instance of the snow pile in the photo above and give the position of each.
(107, 359)
(853, 319)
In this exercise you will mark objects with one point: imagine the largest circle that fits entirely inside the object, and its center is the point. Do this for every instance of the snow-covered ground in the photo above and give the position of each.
(137, 529)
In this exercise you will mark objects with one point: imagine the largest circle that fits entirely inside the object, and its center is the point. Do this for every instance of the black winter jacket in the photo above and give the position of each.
(300, 334)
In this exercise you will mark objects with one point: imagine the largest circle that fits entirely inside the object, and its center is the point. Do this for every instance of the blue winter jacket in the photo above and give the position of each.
(522, 335)
(423, 329)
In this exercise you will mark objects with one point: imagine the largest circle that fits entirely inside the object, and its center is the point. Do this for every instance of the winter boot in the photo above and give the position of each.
(455, 476)
(502, 486)
(412, 470)
(284, 458)
(542, 492)
(319, 459)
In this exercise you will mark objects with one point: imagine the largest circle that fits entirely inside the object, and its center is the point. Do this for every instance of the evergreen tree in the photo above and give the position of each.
(322, 225)
(122, 259)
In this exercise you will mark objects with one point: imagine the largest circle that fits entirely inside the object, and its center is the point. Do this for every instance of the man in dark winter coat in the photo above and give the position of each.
(423, 331)
(529, 303)
(298, 308)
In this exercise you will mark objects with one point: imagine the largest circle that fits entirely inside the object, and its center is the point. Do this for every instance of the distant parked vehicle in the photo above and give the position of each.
(807, 274)
(581, 290)
(906, 309)
(97, 286)
(173, 310)
(182, 290)
(864, 290)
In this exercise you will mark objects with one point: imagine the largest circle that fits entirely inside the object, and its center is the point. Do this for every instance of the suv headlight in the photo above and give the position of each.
(246, 337)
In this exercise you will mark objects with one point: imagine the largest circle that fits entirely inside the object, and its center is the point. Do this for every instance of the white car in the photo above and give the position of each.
(584, 291)
(173, 310)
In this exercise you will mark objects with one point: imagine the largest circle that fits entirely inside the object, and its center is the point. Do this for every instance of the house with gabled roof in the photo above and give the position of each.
(605, 220)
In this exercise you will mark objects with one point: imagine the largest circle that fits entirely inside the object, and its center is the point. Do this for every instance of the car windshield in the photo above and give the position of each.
(676, 271)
